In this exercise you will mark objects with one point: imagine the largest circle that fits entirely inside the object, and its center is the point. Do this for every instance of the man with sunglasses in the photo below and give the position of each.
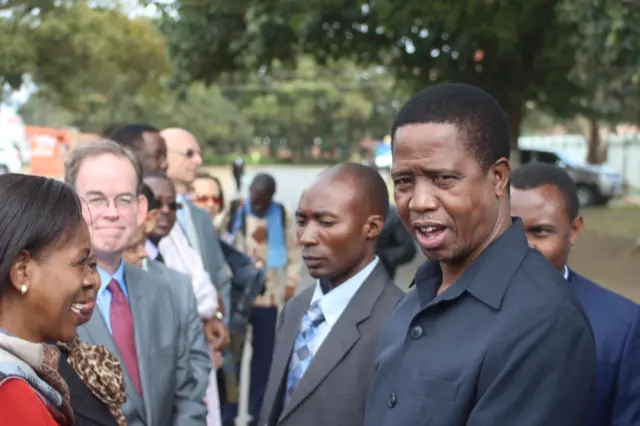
(184, 158)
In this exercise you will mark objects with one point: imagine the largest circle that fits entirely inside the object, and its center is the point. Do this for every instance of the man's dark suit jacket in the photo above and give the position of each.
(333, 389)
(616, 325)
(88, 409)
(395, 246)
(507, 344)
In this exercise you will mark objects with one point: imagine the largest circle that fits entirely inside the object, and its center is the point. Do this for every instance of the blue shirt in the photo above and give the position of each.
(104, 295)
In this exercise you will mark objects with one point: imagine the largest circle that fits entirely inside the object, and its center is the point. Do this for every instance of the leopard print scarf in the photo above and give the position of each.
(101, 371)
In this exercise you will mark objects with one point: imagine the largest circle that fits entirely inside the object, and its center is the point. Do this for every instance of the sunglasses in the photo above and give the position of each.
(173, 205)
(208, 199)
(190, 153)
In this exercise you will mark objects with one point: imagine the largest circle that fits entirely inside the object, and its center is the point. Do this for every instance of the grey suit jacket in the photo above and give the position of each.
(334, 388)
(182, 291)
(203, 237)
(168, 386)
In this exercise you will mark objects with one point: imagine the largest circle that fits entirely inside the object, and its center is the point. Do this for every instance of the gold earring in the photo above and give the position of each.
(24, 289)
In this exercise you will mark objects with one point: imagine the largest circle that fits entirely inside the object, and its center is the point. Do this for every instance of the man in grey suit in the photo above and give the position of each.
(181, 290)
(139, 319)
(184, 158)
(324, 357)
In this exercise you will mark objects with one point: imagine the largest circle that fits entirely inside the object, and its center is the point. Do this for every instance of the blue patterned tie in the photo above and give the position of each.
(302, 355)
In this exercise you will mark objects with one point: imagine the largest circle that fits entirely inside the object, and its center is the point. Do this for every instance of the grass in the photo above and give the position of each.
(619, 220)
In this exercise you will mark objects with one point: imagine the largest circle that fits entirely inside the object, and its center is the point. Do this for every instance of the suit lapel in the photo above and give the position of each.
(286, 338)
(341, 338)
(95, 332)
(191, 231)
(139, 302)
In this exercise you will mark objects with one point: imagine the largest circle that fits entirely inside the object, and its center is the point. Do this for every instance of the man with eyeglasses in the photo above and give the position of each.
(184, 158)
(139, 319)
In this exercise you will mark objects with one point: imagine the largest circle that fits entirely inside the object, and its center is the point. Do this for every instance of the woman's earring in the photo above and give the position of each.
(24, 289)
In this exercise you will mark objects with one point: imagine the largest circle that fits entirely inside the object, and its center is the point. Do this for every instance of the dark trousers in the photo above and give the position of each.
(238, 179)
(263, 321)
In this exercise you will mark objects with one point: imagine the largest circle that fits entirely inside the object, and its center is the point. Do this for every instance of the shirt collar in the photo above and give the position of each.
(336, 301)
(486, 278)
(152, 250)
(565, 272)
(105, 277)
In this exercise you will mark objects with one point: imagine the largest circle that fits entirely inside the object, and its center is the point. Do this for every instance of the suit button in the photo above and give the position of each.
(393, 400)
(416, 332)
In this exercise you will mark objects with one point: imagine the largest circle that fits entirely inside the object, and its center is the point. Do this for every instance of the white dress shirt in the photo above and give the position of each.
(336, 301)
(179, 255)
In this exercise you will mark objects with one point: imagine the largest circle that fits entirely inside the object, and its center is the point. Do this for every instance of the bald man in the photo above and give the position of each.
(325, 354)
(183, 160)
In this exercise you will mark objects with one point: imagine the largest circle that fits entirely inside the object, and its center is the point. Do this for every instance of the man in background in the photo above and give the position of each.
(145, 141)
(261, 227)
(546, 198)
(394, 246)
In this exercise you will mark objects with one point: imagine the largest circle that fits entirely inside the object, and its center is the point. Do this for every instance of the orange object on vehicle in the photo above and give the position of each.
(49, 148)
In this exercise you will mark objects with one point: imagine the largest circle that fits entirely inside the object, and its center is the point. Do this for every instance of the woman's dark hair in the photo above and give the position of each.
(204, 175)
(35, 213)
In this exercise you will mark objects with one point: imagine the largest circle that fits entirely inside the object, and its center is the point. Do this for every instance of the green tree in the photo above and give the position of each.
(517, 51)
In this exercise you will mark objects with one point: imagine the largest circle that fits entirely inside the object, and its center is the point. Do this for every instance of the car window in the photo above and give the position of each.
(525, 157)
(547, 157)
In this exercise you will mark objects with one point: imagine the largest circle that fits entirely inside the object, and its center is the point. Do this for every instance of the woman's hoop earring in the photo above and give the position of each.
(24, 289)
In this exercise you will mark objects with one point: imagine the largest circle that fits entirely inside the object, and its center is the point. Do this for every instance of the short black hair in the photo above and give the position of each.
(264, 182)
(370, 184)
(477, 116)
(535, 175)
(130, 135)
(35, 214)
(205, 175)
(150, 196)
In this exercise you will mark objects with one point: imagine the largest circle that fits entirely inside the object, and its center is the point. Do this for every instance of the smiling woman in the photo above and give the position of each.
(44, 270)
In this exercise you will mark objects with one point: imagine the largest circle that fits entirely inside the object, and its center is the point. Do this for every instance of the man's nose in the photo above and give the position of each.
(197, 159)
(423, 198)
(307, 236)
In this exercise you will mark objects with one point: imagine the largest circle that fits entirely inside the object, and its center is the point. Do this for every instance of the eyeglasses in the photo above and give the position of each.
(190, 153)
(173, 205)
(121, 202)
(207, 199)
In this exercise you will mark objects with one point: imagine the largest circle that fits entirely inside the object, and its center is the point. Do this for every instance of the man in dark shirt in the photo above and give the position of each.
(546, 199)
(395, 246)
(492, 335)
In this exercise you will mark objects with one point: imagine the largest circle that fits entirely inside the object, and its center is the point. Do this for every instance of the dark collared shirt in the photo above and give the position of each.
(506, 345)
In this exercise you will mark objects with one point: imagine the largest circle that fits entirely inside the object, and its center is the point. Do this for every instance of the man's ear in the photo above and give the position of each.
(150, 221)
(500, 175)
(143, 209)
(373, 226)
(576, 229)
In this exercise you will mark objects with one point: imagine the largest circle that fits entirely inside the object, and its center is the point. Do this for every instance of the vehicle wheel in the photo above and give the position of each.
(3, 169)
(587, 195)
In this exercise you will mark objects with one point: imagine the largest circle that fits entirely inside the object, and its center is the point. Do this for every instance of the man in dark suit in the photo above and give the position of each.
(323, 361)
(395, 247)
(546, 199)
(492, 334)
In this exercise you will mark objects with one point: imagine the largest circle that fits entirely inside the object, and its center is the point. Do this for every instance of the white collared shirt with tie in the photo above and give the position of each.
(334, 303)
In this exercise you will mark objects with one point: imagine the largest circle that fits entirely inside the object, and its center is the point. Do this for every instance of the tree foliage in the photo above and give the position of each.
(73, 51)
(518, 51)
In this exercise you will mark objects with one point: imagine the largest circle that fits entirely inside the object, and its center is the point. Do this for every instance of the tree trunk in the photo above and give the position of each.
(596, 147)
(513, 107)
